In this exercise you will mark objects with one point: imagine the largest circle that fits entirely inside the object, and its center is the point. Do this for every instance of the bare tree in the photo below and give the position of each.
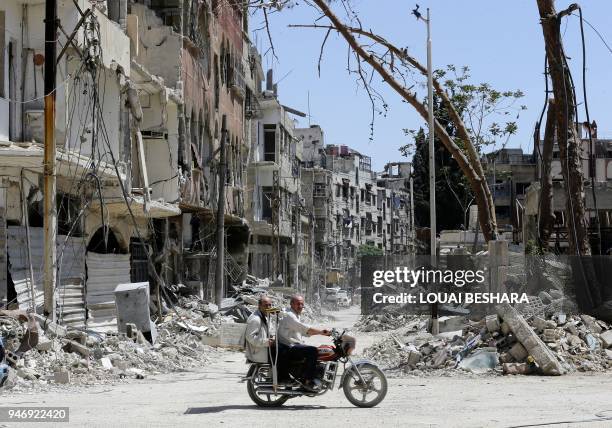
(566, 131)
(395, 65)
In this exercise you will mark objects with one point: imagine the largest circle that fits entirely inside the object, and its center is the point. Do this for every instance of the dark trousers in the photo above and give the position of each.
(299, 352)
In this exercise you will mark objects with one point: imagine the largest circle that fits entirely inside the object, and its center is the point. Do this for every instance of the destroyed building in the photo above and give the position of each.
(352, 205)
(597, 179)
(510, 172)
(145, 94)
(274, 199)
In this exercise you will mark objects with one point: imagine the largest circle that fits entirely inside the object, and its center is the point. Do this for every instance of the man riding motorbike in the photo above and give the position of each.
(291, 344)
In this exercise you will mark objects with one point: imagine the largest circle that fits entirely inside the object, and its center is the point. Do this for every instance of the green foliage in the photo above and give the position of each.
(369, 250)
(532, 248)
(490, 115)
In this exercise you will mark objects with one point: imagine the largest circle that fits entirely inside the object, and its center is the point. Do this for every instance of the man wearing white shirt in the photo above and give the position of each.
(291, 343)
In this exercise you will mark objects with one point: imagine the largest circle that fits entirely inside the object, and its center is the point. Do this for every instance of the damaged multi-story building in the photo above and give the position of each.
(280, 240)
(597, 178)
(146, 93)
(353, 206)
(198, 51)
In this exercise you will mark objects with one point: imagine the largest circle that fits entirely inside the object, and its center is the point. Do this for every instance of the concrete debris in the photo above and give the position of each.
(549, 343)
(186, 337)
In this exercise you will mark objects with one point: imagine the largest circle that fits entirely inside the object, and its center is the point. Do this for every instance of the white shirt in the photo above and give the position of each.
(291, 329)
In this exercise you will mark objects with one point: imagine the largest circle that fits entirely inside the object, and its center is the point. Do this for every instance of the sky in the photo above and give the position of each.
(499, 40)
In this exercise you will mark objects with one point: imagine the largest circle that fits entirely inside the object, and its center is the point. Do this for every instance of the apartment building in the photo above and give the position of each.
(273, 198)
(352, 205)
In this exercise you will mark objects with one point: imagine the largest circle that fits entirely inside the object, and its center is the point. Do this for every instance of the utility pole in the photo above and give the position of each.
(220, 270)
(49, 180)
(432, 172)
(412, 206)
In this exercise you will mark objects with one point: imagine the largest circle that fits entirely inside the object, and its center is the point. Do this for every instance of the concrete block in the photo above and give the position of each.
(44, 344)
(518, 352)
(606, 339)
(498, 253)
(72, 346)
(492, 323)
(551, 335)
(591, 323)
(228, 336)
(132, 302)
(515, 368)
(62, 377)
(505, 328)
(543, 356)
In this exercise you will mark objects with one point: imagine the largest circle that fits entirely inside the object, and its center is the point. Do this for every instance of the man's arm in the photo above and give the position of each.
(315, 331)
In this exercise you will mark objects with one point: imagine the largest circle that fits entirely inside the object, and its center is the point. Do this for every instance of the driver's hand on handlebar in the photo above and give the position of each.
(326, 332)
(271, 341)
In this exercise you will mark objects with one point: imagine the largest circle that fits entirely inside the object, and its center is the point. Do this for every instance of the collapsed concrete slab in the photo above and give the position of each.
(542, 355)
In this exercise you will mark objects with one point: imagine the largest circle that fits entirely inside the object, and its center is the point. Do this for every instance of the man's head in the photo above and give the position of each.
(265, 303)
(297, 303)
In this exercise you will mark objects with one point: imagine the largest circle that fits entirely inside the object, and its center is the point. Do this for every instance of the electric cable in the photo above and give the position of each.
(592, 164)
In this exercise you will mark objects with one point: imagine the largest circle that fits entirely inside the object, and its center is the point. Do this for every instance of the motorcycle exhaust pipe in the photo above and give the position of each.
(271, 391)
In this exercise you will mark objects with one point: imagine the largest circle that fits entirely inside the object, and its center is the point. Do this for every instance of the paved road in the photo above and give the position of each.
(213, 396)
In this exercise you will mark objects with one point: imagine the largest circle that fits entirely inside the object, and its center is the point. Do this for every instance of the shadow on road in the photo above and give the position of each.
(219, 409)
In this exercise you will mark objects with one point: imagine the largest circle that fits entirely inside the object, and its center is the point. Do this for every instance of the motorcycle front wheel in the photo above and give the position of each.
(369, 392)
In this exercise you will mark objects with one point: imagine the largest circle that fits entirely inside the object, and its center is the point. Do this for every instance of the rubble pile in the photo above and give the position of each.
(524, 341)
(383, 322)
(62, 356)
(41, 353)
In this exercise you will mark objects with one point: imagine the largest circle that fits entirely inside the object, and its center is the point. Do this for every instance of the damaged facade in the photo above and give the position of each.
(146, 94)
(142, 99)
(597, 178)
(353, 206)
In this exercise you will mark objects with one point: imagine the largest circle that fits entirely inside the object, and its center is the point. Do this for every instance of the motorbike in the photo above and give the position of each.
(363, 382)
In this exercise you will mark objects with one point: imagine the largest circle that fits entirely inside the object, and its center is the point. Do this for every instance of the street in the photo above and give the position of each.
(215, 396)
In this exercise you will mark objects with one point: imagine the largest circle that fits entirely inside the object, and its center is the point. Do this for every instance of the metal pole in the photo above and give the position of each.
(432, 171)
(49, 181)
(432, 161)
(220, 271)
(412, 207)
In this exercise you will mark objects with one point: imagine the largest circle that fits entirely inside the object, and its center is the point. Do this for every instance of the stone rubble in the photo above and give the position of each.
(523, 342)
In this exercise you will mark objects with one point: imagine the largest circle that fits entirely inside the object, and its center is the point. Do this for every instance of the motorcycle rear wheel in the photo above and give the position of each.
(264, 400)
(376, 383)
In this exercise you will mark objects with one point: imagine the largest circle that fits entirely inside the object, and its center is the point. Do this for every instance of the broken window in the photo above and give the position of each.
(270, 143)
(319, 189)
(169, 12)
(266, 204)
(345, 188)
(139, 264)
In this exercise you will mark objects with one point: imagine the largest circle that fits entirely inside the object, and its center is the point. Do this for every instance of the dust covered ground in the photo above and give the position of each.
(214, 396)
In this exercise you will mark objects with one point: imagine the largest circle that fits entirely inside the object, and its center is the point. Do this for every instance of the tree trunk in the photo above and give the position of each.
(470, 164)
(545, 215)
(567, 135)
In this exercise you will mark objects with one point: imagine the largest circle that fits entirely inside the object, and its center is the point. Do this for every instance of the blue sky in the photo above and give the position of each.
(501, 42)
